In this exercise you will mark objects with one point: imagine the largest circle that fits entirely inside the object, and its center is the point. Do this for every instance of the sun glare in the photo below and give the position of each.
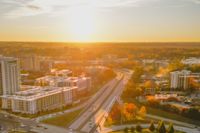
(81, 23)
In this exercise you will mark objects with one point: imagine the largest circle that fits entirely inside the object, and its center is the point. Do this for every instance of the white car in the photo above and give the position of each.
(22, 125)
(70, 130)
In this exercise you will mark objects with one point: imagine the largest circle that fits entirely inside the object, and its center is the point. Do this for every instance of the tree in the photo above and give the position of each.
(146, 131)
(175, 65)
(152, 127)
(136, 77)
(109, 120)
(193, 84)
(170, 128)
(149, 84)
(173, 99)
(126, 130)
(132, 129)
(142, 112)
(131, 89)
(161, 127)
(107, 75)
(152, 101)
(138, 128)
(129, 111)
(114, 114)
(192, 113)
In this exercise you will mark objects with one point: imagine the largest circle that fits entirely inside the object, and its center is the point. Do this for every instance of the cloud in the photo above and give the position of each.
(35, 7)
(22, 8)
(195, 1)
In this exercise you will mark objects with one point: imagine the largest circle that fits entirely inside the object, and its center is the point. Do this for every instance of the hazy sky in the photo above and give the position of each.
(100, 20)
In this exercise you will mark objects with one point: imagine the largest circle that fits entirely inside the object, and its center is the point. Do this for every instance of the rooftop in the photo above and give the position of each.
(37, 92)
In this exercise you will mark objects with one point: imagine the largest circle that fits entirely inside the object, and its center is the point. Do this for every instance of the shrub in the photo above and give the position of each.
(132, 129)
(161, 127)
(152, 127)
(146, 131)
(170, 128)
(126, 130)
(138, 128)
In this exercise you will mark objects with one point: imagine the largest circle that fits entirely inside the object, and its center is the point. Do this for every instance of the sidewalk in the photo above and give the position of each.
(49, 129)
(40, 118)
(121, 127)
(172, 121)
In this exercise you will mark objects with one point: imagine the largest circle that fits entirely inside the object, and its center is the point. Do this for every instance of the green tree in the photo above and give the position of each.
(170, 128)
(146, 131)
(161, 127)
(136, 77)
(132, 129)
(138, 128)
(126, 130)
(152, 127)
(176, 64)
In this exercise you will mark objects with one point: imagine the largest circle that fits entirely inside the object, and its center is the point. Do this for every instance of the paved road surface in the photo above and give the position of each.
(172, 121)
(96, 102)
(9, 122)
(121, 127)
(56, 114)
(94, 116)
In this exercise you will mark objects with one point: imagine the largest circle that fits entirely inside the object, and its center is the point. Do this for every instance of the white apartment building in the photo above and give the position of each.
(48, 80)
(30, 63)
(174, 76)
(82, 83)
(64, 72)
(181, 79)
(191, 61)
(39, 99)
(9, 75)
(36, 63)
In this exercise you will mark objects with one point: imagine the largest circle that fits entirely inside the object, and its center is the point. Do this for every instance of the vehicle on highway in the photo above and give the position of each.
(22, 125)
(38, 125)
(1, 128)
(70, 130)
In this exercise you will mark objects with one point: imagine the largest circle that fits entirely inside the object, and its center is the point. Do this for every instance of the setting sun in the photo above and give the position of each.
(100, 66)
(81, 23)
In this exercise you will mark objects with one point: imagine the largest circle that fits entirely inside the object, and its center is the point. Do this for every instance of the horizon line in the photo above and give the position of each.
(101, 41)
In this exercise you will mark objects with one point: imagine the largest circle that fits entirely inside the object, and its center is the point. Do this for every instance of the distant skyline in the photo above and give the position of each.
(100, 20)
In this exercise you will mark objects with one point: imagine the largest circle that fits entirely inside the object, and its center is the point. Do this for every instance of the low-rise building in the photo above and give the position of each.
(39, 99)
(36, 63)
(191, 61)
(64, 72)
(82, 83)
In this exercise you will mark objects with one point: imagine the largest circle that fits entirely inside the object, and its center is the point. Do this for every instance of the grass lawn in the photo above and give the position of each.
(143, 131)
(20, 131)
(136, 121)
(63, 120)
(162, 113)
(169, 115)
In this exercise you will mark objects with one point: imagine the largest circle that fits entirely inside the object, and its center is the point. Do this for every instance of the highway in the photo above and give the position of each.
(93, 117)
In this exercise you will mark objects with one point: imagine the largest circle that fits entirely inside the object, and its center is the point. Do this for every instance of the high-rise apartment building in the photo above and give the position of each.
(30, 63)
(9, 75)
(181, 79)
(36, 63)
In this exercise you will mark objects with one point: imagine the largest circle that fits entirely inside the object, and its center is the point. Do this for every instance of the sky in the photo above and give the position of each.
(100, 20)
